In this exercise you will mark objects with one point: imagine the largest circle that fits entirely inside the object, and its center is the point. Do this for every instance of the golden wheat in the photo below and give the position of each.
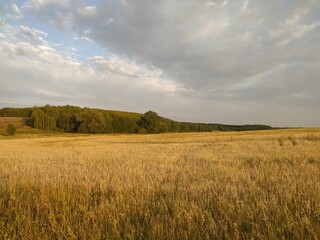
(166, 186)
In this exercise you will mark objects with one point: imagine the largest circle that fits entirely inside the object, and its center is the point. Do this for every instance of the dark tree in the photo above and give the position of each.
(149, 123)
(108, 119)
(63, 122)
(91, 121)
(76, 119)
(11, 129)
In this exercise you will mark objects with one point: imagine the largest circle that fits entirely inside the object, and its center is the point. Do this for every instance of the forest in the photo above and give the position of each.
(74, 119)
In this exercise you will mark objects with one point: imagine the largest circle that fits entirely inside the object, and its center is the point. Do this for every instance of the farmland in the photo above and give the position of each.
(262, 185)
(17, 121)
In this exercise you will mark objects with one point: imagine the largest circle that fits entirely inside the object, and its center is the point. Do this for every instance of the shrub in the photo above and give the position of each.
(11, 129)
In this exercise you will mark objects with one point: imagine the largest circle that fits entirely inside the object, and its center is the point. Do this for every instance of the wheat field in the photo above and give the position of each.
(248, 185)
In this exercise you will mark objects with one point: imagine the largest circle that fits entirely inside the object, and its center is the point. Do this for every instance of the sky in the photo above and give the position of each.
(213, 61)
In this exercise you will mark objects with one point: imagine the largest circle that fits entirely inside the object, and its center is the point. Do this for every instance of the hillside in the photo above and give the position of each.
(75, 119)
(17, 121)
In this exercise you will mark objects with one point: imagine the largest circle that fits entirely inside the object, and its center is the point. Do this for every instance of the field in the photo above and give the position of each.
(24, 131)
(17, 121)
(246, 185)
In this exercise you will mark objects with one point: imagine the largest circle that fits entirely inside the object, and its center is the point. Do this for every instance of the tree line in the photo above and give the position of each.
(75, 119)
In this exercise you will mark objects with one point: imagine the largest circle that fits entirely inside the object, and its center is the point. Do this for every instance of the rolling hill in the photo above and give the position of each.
(90, 120)
(17, 121)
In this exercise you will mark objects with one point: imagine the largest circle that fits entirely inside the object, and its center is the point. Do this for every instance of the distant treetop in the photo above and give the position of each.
(88, 120)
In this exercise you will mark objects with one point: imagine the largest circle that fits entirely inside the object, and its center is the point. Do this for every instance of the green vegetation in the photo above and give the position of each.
(150, 122)
(91, 121)
(11, 129)
(74, 119)
(41, 120)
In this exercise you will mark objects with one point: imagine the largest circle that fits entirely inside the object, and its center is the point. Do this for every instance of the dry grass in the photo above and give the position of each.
(17, 121)
(168, 186)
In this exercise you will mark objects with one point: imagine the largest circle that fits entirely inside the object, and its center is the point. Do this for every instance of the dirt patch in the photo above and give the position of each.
(17, 121)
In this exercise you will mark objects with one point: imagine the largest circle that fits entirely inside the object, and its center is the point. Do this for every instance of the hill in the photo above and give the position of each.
(16, 121)
(74, 119)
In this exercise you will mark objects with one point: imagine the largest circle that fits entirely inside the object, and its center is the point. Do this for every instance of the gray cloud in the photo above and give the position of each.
(32, 73)
(230, 61)
(201, 43)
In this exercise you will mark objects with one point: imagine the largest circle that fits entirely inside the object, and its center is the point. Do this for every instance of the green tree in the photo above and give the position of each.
(40, 120)
(185, 127)
(35, 119)
(11, 129)
(63, 122)
(149, 123)
(91, 121)
(108, 119)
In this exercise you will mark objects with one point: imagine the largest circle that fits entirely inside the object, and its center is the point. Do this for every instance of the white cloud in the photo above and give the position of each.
(141, 74)
(87, 39)
(245, 4)
(45, 75)
(15, 9)
(10, 10)
(215, 59)
(88, 11)
(208, 28)
(303, 29)
(33, 34)
(38, 4)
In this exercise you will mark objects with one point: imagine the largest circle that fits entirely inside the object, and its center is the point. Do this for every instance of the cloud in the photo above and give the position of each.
(33, 34)
(46, 75)
(212, 36)
(87, 11)
(244, 60)
(149, 76)
(15, 9)
(9, 9)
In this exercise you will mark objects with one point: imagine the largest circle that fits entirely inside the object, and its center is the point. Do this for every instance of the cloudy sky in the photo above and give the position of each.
(227, 61)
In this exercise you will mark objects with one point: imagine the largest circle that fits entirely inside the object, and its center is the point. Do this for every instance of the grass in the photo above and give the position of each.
(167, 186)
(17, 121)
